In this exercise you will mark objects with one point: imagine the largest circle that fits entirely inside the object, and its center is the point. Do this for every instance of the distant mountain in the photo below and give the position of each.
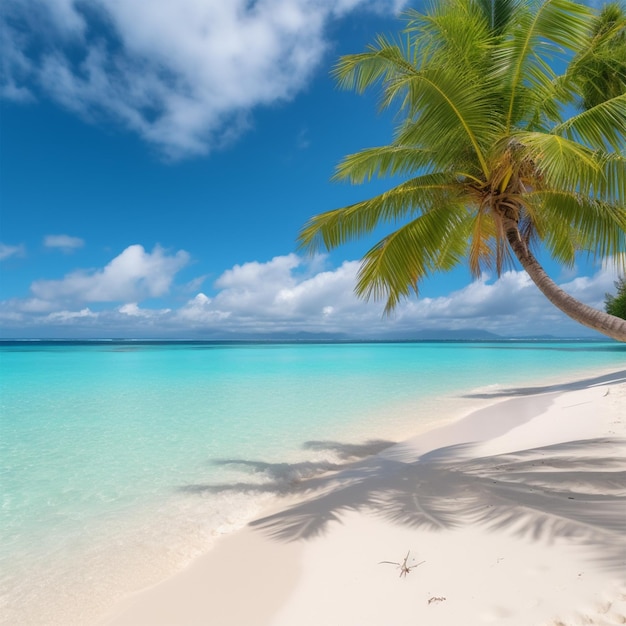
(468, 334)
(586, 338)
(542, 338)
(287, 336)
(442, 334)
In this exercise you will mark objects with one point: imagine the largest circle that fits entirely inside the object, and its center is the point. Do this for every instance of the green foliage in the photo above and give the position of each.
(616, 305)
(486, 137)
(601, 75)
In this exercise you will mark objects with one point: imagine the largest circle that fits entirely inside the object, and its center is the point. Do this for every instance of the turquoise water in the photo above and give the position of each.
(99, 443)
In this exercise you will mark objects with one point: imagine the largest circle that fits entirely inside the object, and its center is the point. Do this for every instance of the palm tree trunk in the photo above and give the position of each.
(604, 323)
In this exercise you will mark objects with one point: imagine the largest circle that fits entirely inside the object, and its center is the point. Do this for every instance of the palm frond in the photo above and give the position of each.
(385, 62)
(482, 245)
(538, 36)
(613, 188)
(571, 222)
(382, 161)
(442, 95)
(434, 241)
(561, 163)
(499, 14)
(549, 103)
(599, 127)
(450, 115)
(454, 32)
(333, 228)
(598, 72)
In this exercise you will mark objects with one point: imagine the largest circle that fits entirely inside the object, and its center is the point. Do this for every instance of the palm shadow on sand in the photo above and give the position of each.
(603, 379)
(575, 490)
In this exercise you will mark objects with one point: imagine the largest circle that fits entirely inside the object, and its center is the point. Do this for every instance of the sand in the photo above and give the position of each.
(514, 515)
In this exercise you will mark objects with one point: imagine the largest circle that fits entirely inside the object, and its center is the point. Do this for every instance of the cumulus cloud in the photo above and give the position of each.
(7, 251)
(132, 309)
(69, 316)
(282, 295)
(64, 243)
(184, 74)
(593, 289)
(509, 305)
(201, 311)
(287, 294)
(133, 275)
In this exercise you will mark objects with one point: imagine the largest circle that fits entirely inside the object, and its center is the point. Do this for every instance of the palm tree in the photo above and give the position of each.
(496, 152)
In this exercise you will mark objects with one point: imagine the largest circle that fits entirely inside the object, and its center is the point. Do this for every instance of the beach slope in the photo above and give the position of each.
(514, 515)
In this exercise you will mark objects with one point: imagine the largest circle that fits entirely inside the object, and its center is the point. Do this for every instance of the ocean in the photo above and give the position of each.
(122, 461)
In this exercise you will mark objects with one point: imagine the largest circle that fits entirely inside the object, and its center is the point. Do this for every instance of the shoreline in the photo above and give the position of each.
(317, 555)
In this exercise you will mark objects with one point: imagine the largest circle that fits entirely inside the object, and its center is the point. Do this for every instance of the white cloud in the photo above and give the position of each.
(200, 310)
(63, 242)
(287, 294)
(7, 251)
(592, 290)
(507, 295)
(509, 305)
(249, 275)
(134, 275)
(132, 309)
(278, 296)
(64, 317)
(184, 74)
(34, 305)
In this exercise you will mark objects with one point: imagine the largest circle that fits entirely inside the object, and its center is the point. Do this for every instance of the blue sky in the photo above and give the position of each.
(156, 165)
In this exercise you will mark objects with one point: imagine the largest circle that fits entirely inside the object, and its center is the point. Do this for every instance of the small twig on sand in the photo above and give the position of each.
(404, 567)
(436, 599)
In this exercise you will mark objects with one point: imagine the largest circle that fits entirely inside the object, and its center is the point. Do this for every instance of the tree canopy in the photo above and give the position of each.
(510, 136)
(616, 304)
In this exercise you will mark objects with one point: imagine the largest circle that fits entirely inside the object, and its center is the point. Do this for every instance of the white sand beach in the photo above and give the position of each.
(513, 515)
